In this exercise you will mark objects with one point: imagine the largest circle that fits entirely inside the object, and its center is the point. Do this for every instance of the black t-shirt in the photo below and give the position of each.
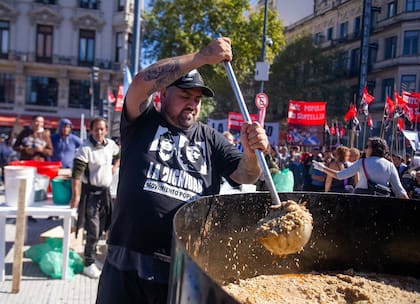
(161, 169)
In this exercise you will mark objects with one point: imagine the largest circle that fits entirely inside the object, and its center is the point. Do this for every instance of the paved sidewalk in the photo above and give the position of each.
(35, 286)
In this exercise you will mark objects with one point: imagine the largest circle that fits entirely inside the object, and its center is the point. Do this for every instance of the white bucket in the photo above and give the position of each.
(12, 177)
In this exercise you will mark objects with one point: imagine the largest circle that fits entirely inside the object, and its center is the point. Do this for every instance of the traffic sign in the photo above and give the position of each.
(261, 100)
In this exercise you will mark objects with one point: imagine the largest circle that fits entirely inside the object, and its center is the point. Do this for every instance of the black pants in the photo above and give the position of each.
(126, 287)
(94, 221)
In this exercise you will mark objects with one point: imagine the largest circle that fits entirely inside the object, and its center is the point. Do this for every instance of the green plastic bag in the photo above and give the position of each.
(283, 180)
(49, 256)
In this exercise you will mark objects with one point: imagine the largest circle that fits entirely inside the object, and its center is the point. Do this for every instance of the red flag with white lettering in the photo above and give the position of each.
(235, 120)
(120, 99)
(412, 100)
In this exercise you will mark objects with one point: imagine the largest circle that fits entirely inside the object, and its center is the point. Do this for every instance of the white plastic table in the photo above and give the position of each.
(43, 209)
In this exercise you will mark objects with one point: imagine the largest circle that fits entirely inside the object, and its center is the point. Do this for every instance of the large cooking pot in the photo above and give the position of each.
(214, 243)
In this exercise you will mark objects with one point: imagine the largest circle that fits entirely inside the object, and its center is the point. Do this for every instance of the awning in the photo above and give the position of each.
(50, 122)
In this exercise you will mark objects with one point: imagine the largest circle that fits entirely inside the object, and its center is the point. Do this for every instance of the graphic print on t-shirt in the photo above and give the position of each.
(177, 166)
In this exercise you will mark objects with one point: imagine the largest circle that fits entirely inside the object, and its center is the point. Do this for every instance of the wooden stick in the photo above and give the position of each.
(20, 237)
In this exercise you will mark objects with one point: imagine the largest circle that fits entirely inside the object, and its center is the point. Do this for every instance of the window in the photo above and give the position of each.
(408, 83)
(341, 61)
(388, 88)
(411, 43)
(44, 43)
(344, 27)
(330, 33)
(412, 5)
(92, 4)
(390, 47)
(86, 47)
(318, 38)
(46, 1)
(354, 62)
(373, 54)
(392, 9)
(121, 5)
(79, 94)
(7, 88)
(357, 26)
(41, 91)
(4, 38)
(119, 47)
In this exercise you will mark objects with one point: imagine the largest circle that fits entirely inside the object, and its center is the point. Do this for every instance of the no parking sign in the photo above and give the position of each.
(261, 101)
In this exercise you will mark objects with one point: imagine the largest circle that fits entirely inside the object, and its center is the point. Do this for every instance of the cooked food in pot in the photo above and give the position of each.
(326, 288)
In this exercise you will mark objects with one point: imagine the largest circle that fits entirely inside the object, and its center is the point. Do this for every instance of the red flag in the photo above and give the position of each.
(351, 113)
(389, 106)
(399, 101)
(366, 97)
(342, 132)
(111, 97)
(413, 94)
(370, 121)
(120, 99)
(332, 129)
(407, 112)
(400, 123)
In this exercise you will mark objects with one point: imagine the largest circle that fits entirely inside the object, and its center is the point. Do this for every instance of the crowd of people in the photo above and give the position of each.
(348, 170)
(92, 163)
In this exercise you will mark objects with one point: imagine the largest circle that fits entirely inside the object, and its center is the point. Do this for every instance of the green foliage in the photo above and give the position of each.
(304, 72)
(178, 27)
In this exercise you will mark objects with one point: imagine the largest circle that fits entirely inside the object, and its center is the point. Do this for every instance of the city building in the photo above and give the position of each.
(59, 58)
(393, 57)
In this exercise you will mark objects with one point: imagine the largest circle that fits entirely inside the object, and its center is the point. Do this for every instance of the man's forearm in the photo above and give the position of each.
(248, 170)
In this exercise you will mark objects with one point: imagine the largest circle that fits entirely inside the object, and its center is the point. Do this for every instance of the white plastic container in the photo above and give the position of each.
(12, 177)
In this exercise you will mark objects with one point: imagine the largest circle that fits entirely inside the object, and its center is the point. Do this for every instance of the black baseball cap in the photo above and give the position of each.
(192, 80)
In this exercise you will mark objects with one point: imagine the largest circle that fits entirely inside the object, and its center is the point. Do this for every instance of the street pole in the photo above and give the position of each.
(264, 40)
(135, 54)
(92, 96)
(94, 74)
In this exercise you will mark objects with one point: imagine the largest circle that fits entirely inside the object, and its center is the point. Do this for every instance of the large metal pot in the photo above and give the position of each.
(214, 243)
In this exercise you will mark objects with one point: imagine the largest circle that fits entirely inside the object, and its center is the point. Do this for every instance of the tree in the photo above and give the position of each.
(303, 71)
(181, 26)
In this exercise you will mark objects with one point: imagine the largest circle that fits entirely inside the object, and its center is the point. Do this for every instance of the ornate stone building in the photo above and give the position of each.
(393, 60)
(48, 49)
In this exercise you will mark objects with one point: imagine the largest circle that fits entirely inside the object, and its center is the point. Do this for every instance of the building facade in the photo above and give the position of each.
(59, 58)
(393, 61)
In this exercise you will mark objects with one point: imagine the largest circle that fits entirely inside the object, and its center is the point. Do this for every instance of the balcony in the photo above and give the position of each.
(402, 17)
(398, 61)
(28, 57)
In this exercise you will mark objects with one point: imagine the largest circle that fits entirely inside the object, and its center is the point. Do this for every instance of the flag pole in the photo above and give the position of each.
(382, 122)
(392, 135)
(364, 131)
(337, 131)
(352, 129)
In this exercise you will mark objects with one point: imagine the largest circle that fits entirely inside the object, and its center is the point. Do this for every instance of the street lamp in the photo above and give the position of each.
(262, 68)
(94, 77)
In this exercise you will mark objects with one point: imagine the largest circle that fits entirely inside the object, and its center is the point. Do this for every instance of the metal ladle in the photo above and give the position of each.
(285, 231)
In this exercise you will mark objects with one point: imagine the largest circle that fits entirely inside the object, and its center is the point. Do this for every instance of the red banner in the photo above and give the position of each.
(306, 123)
(235, 120)
(311, 113)
(412, 100)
